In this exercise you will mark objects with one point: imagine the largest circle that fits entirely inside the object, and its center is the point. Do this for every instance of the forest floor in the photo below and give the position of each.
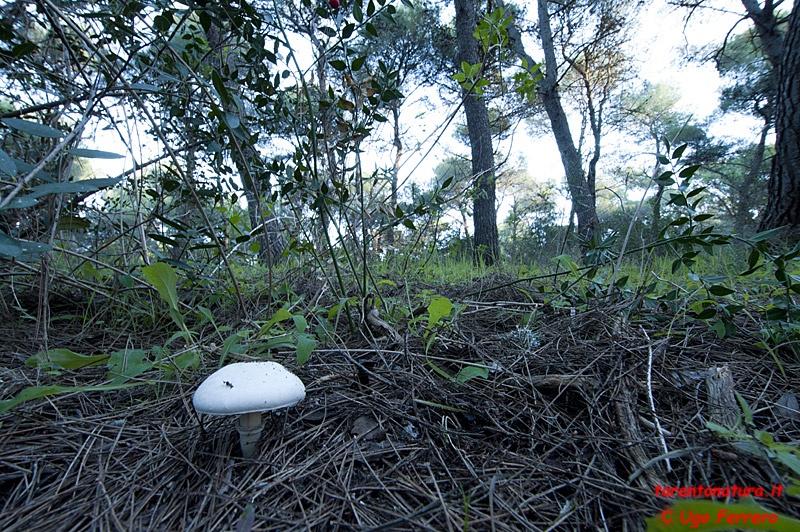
(583, 415)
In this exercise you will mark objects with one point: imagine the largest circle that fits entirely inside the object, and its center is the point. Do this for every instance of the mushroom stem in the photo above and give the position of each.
(249, 427)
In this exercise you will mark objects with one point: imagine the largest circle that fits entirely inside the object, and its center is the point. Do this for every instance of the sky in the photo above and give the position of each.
(659, 50)
(664, 49)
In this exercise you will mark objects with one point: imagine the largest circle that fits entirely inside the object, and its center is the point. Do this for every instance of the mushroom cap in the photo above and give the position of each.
(246, 387)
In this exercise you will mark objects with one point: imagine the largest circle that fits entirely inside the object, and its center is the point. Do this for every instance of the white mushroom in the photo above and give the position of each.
(247, 389)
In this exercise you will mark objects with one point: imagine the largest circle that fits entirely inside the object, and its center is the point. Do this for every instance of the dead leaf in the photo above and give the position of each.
(788, 407)
(365, 427)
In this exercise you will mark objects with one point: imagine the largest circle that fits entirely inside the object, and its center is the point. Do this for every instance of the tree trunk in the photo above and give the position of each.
(596, 124)
(744, 204)
(487, 245)
(398, 145)
(655, 223)
(783, 192)
(766, 24)
(245, 157)
(582, 197)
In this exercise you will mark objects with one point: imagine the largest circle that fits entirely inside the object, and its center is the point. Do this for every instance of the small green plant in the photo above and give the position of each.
(164, 279)
(693, 514)
(439, 309)
(278, 336)
(760, 443)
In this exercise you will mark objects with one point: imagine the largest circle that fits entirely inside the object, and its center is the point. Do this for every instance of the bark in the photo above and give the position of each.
(185, 210)
(245, 157)
(596, 124)
(744, 204)
(487, 245)
(322, 146)
(655, 223)
(582, 195)
(398, 145)
(766, 24)
(783, 193)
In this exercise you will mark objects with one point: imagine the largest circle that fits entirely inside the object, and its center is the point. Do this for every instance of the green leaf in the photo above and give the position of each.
(281, 315)
(358, 14)
(695, 192)
(752, 259)
(689, 170)
(790, 460)
(94, 154)
(162, 22)
(766, 235)
(358, 63)
(69, 222)
(470, 372)
(164, 279)
(20, 203)
(72, 187)
(231, 345)
(707, 314)
(181, 362)
(679, 151)
(33, 128)
(231, 120)
(300, 323)
(338, 64)
(719, 328)
(775, 313)
(306, 344)
(145, 87)
(437, 369)
(24, 48)
(719, 290)
(7, 166)
(163, 239)
(438, 309)
(677, 199)
(567, 262)
(64, 358)
(34, 392)
(746, 410)
(284, 341)
(124, 365)
(205, 20)
(9, 247)
(219, 86)
(13, 248)
(371, 29)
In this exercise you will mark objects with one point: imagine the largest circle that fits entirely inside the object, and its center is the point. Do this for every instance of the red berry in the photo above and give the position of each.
(334, 4)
